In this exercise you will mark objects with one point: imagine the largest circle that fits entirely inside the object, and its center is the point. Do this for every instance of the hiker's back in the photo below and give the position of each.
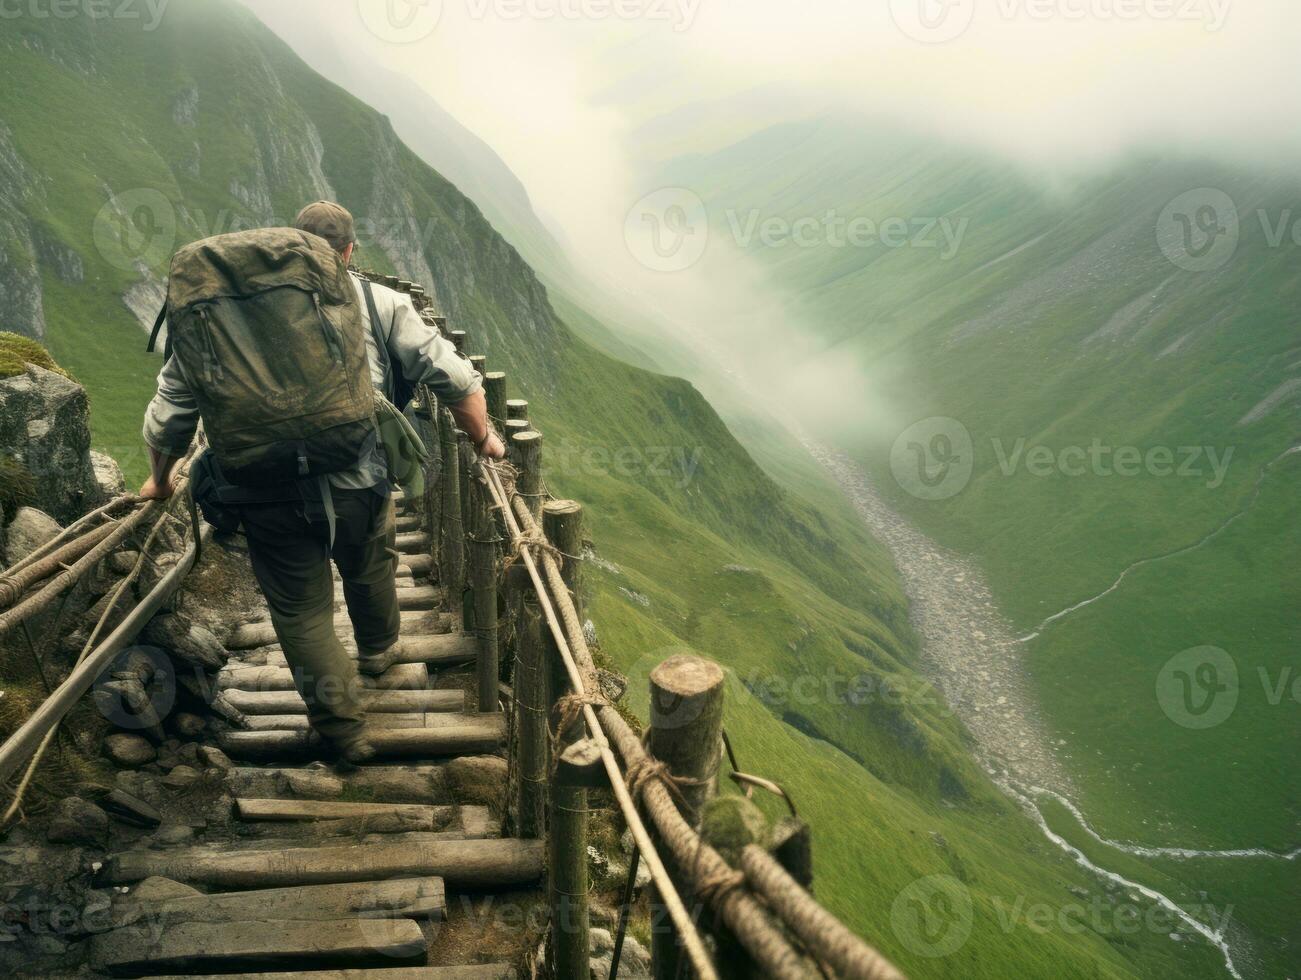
(268, 330)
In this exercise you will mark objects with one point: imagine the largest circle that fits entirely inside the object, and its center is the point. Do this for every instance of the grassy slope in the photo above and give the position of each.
(817, 599)
(1008, 343)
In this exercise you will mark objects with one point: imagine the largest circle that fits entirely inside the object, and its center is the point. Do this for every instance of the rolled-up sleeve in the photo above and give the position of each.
(173, 416)
(427, 358)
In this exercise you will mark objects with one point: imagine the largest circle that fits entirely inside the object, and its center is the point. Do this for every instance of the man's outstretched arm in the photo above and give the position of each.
(170, 423)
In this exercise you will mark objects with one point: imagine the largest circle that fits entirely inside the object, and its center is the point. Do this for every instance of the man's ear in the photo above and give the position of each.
(347, 253)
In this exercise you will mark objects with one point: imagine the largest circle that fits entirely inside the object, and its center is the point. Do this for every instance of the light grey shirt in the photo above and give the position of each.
(415, 348)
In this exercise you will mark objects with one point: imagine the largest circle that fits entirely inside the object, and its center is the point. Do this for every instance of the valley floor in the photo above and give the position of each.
(970, 652)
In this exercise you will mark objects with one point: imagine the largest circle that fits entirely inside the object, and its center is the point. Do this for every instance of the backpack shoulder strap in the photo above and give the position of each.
(381, 340)
(158, 327)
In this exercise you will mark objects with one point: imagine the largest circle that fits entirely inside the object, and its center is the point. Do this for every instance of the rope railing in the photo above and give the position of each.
(754, 904)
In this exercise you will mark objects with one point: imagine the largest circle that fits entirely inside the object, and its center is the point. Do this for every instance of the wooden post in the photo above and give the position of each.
(686, 721)
(531, 717)
(527, 457)
(517, 408)
(562, 521)
(483, 571)
(466, 453)
(458, 340)
(451, 566)
(479, 362)
(567, 871)
(513, 428)
(494, 389)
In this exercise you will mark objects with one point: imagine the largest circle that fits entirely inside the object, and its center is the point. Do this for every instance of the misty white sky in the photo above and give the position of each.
(557, 86)
(566, 91)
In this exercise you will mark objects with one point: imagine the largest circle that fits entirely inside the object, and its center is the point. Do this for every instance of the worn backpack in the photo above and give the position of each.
(270, 336)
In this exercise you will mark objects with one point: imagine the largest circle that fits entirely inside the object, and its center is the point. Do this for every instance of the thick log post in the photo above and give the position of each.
(686, 721)
(458, 340)
(483, 571)
(527, 458)
(513, 428)
(562, 520)
(494, 390)
(517, 408)
(479, 362)
(567, 869)
(466, 453)
(451, 565)
(531, 718)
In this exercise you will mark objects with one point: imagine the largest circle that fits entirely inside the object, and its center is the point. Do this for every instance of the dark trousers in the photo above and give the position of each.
(291, 559)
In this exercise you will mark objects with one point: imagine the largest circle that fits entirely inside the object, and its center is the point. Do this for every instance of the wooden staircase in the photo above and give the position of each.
(337, 874)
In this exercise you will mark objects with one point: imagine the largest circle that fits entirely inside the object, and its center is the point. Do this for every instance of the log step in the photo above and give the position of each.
(438, 817)
(298, 722)
(375, 702)
(418, 566)
(390, 784)
(141, 951)
(457, 734)
(409, 522)
(439, 650)
(253, 635)
(413, 542)
(400, 677)
(498, 863)
(417, 598)
(487, 971)
(406, 898)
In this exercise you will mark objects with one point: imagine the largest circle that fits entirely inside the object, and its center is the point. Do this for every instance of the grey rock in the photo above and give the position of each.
(187, 641)
(77, 821)
(159, 889)
(187, 725)
(130, 751)
(45, 425)
(634, 961)
(172, 833)
(109, 480)
(28, 530)
(217, 759)
(181, 777)
(121, 562)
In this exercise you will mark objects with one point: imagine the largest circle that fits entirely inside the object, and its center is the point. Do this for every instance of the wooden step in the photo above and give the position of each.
(409, 522)
(298, 722)
(437, 817)
(408, 898)
(417, 598)
(375, 702)
(392, 784)
(418, 566)
(253, 635)
(400, 677)
(440, 650)
(457, 734)
(413, 542)
(487, 971)
(190, 946)
(496, 863)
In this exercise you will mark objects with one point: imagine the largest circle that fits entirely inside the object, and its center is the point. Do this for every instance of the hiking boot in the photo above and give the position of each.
(372, 662)
(348, 756)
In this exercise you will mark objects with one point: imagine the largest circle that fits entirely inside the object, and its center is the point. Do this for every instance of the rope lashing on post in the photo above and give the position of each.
(516, 525)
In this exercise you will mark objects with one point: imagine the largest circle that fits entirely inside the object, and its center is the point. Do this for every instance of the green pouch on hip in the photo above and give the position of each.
(403, 448)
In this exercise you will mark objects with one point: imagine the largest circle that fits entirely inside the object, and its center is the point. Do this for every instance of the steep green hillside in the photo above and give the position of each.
(118, 143)
(1069, 315)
